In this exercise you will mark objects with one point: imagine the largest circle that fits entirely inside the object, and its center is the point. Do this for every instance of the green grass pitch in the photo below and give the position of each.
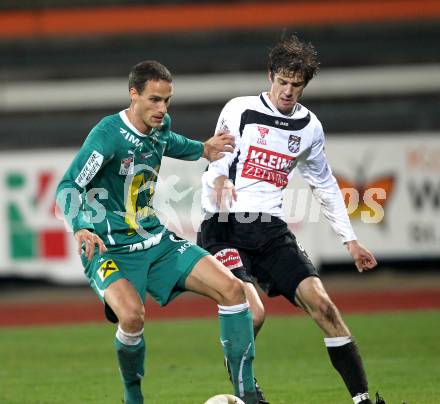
(76, 364)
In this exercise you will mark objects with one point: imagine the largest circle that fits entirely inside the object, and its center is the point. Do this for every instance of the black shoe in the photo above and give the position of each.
(260, 394)
(379, 399)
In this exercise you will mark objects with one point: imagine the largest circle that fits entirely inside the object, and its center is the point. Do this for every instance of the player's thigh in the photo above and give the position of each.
(282, 266)
(239, 264)
(124, 300)
(175, 259)
(104, 270)
(210, 278)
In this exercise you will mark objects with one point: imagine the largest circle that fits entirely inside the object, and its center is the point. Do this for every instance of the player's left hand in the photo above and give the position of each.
(224, 193)
(216, 146)
(363, 258)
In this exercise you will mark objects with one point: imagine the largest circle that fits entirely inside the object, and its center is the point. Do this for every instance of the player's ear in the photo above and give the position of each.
(133, 94)
(270, 75)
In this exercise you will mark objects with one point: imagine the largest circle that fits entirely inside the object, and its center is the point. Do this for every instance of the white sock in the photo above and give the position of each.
(237, 308)
(337, 341)
(129, 338)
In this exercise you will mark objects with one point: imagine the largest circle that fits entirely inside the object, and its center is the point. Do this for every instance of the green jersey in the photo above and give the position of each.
(109, 186)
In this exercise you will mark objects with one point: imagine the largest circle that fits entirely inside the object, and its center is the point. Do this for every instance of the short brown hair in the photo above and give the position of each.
(145, 71)
(292, 56)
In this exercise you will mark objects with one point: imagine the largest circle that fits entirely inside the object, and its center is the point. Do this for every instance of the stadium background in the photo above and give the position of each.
(64, 65)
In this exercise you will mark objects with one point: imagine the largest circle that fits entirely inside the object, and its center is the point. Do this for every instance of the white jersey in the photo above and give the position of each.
(269, 146)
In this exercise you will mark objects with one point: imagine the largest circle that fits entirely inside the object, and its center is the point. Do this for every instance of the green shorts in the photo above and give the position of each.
(160, 270)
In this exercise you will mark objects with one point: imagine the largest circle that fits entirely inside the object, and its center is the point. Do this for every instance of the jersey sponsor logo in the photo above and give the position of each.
(90, 169)
(229, 257)
(294, 143)
(224, 342)
(268, 166)
(146, 244)
(130, 137)
(281, 123)
(127, 166)
(107, 268)
(184, 246)
(263, 132)
(223, 125)
(144, 156)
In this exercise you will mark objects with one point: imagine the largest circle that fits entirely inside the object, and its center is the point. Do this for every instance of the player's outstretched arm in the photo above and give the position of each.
(363, 258)
(215, 147)
(90, 240)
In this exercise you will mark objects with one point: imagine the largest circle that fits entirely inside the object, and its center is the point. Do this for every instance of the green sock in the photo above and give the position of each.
(237, 339)
(131, 365)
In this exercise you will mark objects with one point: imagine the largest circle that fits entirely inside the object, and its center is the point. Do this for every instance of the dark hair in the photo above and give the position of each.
(291, 56)
(145, 71)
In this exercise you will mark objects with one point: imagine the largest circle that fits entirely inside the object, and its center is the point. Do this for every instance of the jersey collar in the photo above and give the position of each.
(123, 115)
(264, 97)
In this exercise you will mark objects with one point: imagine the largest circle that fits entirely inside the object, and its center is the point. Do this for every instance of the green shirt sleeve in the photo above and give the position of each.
(71, 191)
(179, 146)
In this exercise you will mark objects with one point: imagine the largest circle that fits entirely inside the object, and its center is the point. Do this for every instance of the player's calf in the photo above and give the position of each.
(130, 350)
(346, 359)
(237, 339)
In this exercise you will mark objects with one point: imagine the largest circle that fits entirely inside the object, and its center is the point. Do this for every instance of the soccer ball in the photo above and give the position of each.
(224, 399)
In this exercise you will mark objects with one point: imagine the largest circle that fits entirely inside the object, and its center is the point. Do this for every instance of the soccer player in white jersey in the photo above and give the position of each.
(243, 194)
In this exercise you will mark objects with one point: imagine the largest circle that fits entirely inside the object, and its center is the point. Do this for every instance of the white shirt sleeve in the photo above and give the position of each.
(317, 172)
(229, 119)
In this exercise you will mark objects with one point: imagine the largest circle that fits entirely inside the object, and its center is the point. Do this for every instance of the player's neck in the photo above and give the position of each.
(286, 113)
(138, 123)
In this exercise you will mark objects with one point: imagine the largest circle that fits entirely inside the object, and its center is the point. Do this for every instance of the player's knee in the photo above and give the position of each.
(258, 324)
(327, 310)
(233, 292)
(132, 318)
(258, 315)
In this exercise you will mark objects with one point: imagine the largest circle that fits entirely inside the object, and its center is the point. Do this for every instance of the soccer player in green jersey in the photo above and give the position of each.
(106, 198)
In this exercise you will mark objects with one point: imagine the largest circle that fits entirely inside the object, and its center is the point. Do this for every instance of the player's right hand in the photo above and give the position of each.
(85, 238)
(215, 147)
